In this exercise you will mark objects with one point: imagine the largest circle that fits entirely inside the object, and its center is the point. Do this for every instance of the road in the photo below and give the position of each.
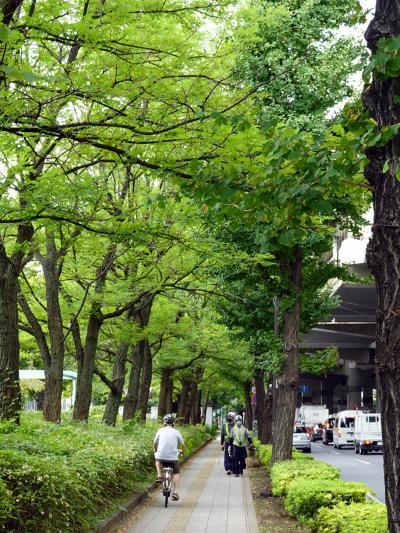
(354, 467)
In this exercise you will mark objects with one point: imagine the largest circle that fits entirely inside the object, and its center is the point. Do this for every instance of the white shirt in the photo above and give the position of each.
(167, 439)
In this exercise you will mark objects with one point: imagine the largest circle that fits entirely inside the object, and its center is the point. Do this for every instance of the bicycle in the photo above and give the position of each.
(166, 483)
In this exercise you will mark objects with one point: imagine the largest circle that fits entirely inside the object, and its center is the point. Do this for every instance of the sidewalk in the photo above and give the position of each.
(211, 501)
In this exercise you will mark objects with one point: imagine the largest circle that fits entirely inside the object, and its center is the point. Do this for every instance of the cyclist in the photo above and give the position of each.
(237, 441)
(166, 452)
(225, 434)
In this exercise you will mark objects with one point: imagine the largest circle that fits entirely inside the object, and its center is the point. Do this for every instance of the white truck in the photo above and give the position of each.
(310, 415)
(367, 433)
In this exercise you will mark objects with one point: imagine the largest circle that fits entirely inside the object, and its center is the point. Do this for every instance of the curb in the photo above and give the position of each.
(135, 501)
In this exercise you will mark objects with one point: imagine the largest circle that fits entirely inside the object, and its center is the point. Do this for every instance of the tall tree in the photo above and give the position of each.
(380, 98)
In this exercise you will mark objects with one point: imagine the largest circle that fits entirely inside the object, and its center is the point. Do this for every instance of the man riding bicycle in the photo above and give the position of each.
(166, 452)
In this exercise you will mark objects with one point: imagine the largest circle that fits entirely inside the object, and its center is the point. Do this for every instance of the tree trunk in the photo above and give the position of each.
(206, 396)
(165, 392)
(262, 428)
(195, 413)
(170, 395)
(383, 253)
(118, 380)
(247, 400)
(86, 366)
(54, 373)
(189, 402)
(145, 381)
(287, 382)
(37, 331)
(10, 268)
(183, 398)
(132, 396)
(191, 409)
(9, 342)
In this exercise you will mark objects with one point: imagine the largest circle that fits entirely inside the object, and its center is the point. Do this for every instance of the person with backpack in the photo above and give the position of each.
(225, 435)
(238, 439)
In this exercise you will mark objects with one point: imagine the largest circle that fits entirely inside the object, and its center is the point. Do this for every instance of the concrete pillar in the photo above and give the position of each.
(367, 399)
(353, 385)
(353, 397)
(327, 399)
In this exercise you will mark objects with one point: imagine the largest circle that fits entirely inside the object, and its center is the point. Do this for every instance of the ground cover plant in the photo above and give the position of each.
(48, 470)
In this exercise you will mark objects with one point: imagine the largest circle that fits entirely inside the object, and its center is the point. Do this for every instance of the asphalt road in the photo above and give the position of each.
(354, 467)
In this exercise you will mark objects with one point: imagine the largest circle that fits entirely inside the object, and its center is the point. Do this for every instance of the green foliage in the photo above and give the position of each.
(280, 45)
(306, 496)
(49, 470)
(6, 504)
(368, 517)
(272, 357)
(385, 62)
(320, 361)
(265, 454)
(285, 472)
(194, 437)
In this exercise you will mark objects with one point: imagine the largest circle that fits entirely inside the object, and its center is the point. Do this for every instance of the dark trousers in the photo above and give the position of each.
(228, 460)
(239, 459)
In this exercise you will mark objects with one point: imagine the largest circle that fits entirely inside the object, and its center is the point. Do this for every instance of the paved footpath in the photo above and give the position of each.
(210, 501)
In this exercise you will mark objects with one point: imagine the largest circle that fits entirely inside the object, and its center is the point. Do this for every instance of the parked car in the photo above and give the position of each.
(327, 432)
(317, 432)
(301, 439)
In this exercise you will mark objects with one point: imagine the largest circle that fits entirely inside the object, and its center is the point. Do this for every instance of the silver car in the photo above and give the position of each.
(301, 439)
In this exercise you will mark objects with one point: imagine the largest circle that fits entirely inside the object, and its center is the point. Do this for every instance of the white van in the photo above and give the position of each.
(368, 433)
(343, 429)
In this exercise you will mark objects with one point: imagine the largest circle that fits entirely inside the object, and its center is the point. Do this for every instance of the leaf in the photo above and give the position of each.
(398, 172)
(5, 33)
(385, 167)
(287, 238)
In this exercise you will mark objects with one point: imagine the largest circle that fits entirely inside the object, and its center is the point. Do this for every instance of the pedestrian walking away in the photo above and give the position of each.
(166, 453)
(225, 447)
(238, 439)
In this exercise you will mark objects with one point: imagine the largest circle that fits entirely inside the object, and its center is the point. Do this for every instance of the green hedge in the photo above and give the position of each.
(314, 494)
(306, 496)
(283, 473)
(368, 517)
(265, 454)
(60, 477)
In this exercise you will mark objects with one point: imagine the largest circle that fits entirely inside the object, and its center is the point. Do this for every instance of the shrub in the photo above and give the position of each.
(193, 436)
(306, 496)
(370, 517)
(6, 506)
(265, 454)
(283, 473)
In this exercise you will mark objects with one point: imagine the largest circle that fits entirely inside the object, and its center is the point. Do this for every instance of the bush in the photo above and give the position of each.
(6, 506)
(48, 470)
(265, 454)
(283, 473)
(368, 517)
(306, 496)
